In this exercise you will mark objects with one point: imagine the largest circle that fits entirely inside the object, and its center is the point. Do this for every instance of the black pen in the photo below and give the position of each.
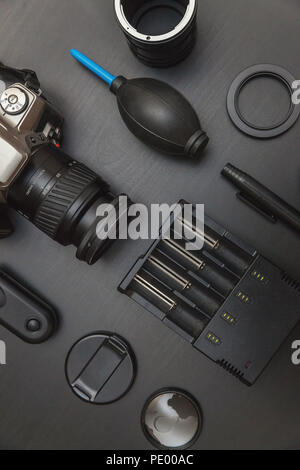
(261, 198)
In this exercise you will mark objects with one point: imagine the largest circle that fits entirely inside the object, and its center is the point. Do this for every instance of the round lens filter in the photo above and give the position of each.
(171, 419)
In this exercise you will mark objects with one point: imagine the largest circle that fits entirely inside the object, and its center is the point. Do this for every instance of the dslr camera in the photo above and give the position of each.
(57, 194)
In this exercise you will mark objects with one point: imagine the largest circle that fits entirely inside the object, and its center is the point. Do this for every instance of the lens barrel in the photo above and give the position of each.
(160, 33)
(61, 196)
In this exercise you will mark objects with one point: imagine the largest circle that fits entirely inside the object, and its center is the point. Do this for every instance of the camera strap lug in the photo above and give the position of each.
(35, 141)
(28, 77)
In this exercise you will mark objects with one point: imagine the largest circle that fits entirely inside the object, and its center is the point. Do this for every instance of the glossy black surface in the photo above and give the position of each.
(38, 409)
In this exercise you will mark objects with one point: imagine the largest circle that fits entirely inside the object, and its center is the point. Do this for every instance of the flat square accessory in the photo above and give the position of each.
(240, 324)
(233, 107)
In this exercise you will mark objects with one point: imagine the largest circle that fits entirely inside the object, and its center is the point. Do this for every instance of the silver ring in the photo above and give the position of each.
(190, 10)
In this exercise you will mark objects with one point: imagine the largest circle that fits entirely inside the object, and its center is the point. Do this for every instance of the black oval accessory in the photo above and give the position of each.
(171, 419)
(233, 101)
(100, 368)
(155, 112)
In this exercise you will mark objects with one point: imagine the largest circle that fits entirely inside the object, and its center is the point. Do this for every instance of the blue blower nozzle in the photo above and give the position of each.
(93, 67)
(154, 112)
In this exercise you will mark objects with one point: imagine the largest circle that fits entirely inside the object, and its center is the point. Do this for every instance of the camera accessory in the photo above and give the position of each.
(160, 33)
(224, 250)
(167, 271)
(215, 275)
(183, 314)
(154, 112)
(261, 199)
(6, 228)
(24, 313)
(256, 71)
(56, 193)
(171, 419)
(100, 368)
(240, 328)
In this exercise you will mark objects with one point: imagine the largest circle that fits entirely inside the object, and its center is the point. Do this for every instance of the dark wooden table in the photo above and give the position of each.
(38, 410)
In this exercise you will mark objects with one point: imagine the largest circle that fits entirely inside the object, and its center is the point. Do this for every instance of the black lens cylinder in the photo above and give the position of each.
(160, 33)
(60, 196)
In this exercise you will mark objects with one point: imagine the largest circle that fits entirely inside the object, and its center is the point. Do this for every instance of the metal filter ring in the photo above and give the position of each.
(171, 419)
(262, 70)
(163, 49)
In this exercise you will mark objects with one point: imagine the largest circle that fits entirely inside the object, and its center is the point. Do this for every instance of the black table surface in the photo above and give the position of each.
(37, 408)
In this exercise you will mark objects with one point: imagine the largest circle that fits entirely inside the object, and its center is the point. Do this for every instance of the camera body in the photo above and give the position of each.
(27, 122)
(58, 194)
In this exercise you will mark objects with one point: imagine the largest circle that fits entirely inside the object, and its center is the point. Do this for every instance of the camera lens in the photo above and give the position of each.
(61, 196)
(160, 33)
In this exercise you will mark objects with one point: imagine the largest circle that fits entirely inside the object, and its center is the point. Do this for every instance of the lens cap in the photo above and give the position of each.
(171, 419)
(100, 368)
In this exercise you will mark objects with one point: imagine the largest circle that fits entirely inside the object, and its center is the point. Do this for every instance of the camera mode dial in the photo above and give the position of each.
(14, 101)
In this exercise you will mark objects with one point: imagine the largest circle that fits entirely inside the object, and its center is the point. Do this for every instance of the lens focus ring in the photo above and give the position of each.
(59, 200)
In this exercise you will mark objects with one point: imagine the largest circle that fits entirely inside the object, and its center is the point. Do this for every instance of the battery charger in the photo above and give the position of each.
(227, 300)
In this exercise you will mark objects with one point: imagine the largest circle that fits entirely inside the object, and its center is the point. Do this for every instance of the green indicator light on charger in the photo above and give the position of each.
(213, 338)
(228, 318)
